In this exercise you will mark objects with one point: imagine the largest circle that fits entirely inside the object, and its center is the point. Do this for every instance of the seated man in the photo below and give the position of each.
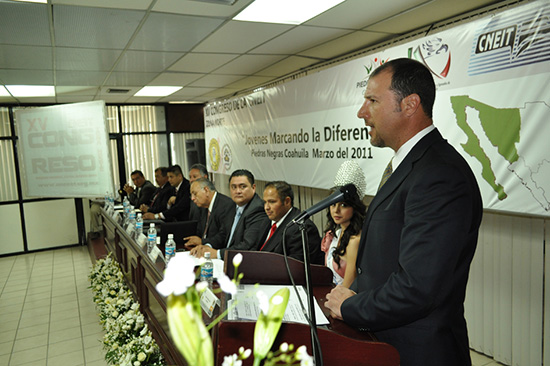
(279, 201)
(218, 211)
(143, 192)
(248, 221)
(162, 193)
(195, 172)
(177, 208)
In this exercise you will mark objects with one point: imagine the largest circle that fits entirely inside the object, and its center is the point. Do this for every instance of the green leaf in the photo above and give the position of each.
(268, 325)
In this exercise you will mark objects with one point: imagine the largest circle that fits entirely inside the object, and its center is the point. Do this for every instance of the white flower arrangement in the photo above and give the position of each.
(128, 341)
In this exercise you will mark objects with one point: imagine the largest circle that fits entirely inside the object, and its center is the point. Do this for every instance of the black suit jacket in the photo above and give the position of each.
(417, 243)
(161, 197)
(179, 211)
(250, 227)
(293, 239)
(142, 195)
(219, 223)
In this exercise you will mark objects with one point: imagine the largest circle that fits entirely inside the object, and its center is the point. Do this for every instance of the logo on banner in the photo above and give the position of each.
(227, 159)
(214, 154)
(511, 41)
(435, 54)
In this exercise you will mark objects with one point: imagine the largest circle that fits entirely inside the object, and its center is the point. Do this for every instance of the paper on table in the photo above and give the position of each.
(248, 308)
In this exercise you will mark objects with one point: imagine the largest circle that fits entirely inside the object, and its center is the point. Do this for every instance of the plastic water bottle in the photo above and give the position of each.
(126, 206)
(139, 225)
(132, 220)
(151, 237)
(170, 248)
(207, 270)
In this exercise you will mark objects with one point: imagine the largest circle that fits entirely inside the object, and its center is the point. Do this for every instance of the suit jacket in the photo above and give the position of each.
(293, 239)
(161, 197)
(142, 195)
(250, 226)
(219, 223)
(179, 211)
(418, 240)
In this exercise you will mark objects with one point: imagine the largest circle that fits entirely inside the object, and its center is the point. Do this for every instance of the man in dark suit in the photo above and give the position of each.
(162, 193)
(248, 221)
(177, 208)
(279, 207)
(217, 211)
(420, 230)
(195, 172)
(142, 193)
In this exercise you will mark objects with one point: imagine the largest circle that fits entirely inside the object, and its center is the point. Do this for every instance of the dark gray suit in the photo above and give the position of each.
(219, 223)
(142, 196)
(293, 239)
(418, 240)
(250, 227)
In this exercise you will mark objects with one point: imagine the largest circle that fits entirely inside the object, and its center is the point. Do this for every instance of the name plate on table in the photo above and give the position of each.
(130, 229)
(155, 252)
(141, 240)
(209, 301)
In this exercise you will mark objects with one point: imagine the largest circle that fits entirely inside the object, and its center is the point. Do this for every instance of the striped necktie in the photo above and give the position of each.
(387, 172)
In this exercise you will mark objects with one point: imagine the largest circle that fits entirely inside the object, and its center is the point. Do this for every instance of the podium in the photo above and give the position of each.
(341, 344)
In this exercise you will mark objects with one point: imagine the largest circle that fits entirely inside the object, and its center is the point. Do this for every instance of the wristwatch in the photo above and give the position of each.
(157, 216)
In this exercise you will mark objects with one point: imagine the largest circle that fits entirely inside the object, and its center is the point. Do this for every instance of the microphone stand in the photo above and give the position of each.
(315, 345)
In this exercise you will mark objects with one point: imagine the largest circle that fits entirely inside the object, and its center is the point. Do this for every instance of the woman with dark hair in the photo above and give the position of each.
(344, 224)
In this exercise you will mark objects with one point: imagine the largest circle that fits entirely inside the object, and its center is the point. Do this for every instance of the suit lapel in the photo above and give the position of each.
(277, 235)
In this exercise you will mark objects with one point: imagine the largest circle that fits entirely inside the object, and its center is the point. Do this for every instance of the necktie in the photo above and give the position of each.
(235, 222)
(206, 226)
(273, 228)
(155, 197)
(386, 175)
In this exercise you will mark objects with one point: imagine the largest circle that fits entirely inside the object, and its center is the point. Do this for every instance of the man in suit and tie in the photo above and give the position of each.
(215, 222)
(248, 221)
(420, 230)
(142, 193)
(195, 172)
(279, 207)
(162, 193)
(177, 208)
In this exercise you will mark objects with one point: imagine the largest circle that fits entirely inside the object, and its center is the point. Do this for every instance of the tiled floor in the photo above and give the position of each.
(47, 316)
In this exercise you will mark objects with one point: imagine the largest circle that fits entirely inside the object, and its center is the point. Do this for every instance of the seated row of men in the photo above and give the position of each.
(242, 222)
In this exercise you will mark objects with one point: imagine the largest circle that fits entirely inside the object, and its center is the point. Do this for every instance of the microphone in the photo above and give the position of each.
(345, 193)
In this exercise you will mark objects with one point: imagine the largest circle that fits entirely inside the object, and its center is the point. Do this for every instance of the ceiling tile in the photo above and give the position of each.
(248, 64)
(24, 24)
(240, 37)
(348, 43)
(37, 100)
(357, 14)
(216, 80)
(119, 4)
(74, 98)
(26, 77)
(220, 92)
(131, 78)
(78, 78)
(298, 39)
(287, 66)
(146, 61)
(190, 91)
(202, 62)
(77, 26)
(142, 100)
(75, 90)
(250, 82)
(85, 59)
(171, 32)
(192, 7)
(25, 57)
(175, 79)
(7, 100)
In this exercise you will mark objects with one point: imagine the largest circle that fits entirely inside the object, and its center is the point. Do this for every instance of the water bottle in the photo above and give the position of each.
(139, 225)
(170, 248)
(207, 270)
(126, 206)
(151, 237)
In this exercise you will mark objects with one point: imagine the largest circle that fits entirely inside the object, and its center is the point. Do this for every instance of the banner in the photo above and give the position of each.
(64, 150)
(492, 105)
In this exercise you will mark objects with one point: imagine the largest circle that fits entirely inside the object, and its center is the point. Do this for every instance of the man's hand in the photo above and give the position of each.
(148, 216)
(144, 207)
(128, 189)
(172, 200)
(335, 299)
(199, 251)
(192, 241)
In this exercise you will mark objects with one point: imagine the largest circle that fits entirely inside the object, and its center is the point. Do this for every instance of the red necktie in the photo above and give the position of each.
(273, 228)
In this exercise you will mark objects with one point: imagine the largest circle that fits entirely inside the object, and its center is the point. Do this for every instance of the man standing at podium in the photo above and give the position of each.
(420, 230)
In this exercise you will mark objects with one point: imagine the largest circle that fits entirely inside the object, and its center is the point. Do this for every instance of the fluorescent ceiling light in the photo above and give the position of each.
(31, 90)
(33, 1)
(157, 91)
(284, 11)
(4, 92)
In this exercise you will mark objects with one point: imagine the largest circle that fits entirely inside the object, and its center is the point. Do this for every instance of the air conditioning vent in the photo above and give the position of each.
(117, 91)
